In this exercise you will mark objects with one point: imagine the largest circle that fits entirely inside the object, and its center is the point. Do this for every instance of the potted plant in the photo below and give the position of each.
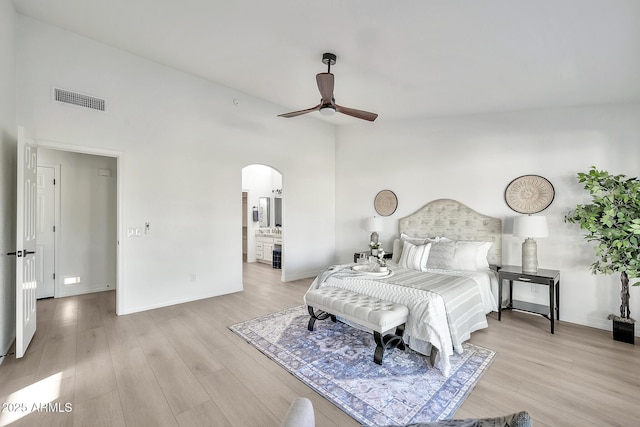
(612, 220)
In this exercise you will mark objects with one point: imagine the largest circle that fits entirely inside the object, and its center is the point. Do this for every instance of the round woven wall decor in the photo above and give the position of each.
(529, 194)
(385, 202)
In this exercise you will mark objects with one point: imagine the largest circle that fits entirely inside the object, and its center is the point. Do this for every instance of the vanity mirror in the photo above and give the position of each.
(264, 209)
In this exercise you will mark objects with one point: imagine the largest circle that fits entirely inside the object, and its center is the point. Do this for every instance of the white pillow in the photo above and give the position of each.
(414, 256)
(481, 250)
(464, 257)
(459, 255)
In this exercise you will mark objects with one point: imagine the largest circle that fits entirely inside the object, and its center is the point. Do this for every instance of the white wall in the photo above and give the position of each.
(184, 142)
(7, 175)
(472, 159)
(87, 233)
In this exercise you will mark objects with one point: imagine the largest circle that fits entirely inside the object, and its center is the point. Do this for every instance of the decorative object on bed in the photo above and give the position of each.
(530, 227)
(385, 202)
(382, 260)
(612, 219)
(529, 194)
(372, 269)
(335, 360)
(374, 224)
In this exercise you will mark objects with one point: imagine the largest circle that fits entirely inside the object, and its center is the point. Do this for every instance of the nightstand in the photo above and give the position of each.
(550, 278)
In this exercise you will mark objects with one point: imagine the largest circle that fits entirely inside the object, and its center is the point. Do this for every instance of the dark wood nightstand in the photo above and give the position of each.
(550, 278)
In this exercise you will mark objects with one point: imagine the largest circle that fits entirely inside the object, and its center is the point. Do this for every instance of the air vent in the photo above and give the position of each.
(79, 99)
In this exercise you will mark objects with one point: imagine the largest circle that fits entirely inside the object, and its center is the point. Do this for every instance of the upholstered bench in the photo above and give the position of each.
(378, 315)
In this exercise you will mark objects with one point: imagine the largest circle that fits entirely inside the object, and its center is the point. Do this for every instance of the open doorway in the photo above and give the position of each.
(263, 216)
(77, 223)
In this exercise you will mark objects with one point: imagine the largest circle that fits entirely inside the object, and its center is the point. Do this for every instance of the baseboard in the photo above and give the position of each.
(290, 277)
(6, 350)
(598, 323)
(170, 303)
(85, 291)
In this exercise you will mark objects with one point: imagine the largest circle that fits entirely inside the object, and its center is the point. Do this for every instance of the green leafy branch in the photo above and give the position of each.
(612, 219)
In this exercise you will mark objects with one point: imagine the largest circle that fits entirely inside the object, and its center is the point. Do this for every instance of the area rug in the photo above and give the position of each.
(336, 360)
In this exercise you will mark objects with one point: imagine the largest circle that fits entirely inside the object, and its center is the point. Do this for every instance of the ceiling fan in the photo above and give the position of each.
(327, 104)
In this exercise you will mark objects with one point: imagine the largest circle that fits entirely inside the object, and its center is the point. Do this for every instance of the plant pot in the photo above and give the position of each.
(624, 331)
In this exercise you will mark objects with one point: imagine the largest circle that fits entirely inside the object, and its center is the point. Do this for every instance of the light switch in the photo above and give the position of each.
(134, 231)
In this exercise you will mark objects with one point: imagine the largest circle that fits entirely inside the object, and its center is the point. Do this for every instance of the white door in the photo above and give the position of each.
(27, 162)
(45, 231)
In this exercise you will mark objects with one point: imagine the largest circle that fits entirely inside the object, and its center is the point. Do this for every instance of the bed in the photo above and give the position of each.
(443, 269)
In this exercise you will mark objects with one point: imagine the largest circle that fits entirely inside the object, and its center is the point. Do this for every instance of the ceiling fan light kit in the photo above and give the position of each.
(327, 110)
(327, 104)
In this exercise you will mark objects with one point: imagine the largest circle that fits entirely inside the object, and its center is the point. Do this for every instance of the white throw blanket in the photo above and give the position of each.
(444, 307)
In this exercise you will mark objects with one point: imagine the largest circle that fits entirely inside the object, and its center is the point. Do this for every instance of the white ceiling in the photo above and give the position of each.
(400, 59)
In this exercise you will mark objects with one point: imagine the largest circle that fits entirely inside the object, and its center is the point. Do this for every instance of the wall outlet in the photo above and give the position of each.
(192, 277)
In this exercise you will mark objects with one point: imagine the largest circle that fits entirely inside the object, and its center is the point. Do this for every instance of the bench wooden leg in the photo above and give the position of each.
(387, 342)
(400, 333)
(320, 315)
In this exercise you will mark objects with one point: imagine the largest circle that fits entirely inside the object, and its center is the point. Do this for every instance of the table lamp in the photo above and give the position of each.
(530, 227)
(374, 224)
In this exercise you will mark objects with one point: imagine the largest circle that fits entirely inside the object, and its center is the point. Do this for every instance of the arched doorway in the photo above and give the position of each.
(262, 215)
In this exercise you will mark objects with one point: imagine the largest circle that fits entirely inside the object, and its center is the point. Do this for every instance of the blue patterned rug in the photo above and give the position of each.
(336, 360)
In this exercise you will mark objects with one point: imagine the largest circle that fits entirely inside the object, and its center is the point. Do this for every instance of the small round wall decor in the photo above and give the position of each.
(385, 202)
(529, 194)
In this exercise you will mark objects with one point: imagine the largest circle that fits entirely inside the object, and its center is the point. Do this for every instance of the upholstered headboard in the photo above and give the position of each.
(451, 219)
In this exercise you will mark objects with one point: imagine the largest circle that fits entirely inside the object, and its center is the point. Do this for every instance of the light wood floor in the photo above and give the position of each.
(180, 365)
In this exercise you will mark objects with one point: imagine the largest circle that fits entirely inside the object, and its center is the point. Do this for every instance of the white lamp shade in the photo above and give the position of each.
(374, 224)
(530, 226)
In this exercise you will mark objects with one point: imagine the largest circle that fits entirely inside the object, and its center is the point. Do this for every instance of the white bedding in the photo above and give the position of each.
(445, 306)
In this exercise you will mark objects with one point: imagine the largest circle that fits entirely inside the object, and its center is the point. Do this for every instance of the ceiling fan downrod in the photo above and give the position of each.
(329, 59)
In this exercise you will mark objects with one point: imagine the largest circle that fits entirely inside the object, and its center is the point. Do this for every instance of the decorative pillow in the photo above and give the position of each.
(441, 255)
(414, 256)
(396, 251)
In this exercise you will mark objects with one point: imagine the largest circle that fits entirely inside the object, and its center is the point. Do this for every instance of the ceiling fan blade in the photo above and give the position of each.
(325, 85)
(301, 112)
(364, 115)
